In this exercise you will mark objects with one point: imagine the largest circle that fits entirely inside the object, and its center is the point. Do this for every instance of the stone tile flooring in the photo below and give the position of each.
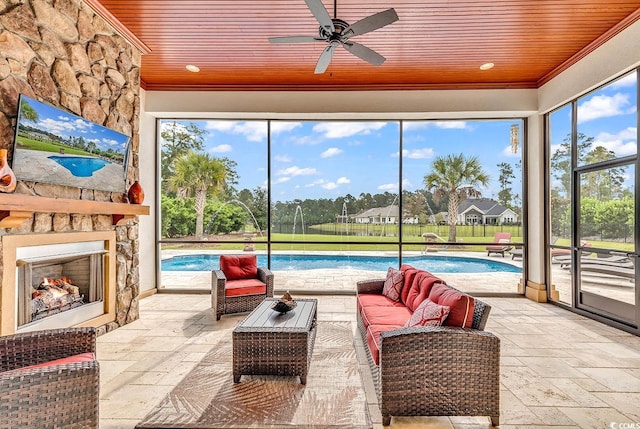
(558, 369)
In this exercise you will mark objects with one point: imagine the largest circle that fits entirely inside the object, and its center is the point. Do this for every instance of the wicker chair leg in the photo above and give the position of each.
(495, 421)
(386, 420)
(218, 315)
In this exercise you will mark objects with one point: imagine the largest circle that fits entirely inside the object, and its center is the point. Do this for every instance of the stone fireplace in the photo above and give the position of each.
(58, 280)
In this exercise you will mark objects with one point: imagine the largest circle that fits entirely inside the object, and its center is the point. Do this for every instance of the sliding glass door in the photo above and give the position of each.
(593, 204)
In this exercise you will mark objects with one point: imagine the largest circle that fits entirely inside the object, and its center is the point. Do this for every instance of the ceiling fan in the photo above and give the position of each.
(337, 32)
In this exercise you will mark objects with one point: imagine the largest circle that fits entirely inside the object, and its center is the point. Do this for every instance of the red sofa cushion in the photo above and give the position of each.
(393, 284)
(237, 267)
(428, 313)
(375, 300)
(389, 315)
(244, 287)
(82, 357)
(461, 305)
(420, 289)
(373, 339)
(409, 276)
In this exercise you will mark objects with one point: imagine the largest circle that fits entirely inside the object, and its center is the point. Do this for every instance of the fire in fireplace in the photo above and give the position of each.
(53, 296)
(45, 285)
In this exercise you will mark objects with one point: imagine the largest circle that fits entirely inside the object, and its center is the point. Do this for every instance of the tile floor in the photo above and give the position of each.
(558, 369)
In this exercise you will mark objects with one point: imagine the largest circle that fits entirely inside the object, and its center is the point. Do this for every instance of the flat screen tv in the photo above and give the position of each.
(54, 146)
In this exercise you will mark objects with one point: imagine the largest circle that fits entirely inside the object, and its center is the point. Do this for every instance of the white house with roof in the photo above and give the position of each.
(383, 215)
(485, 211)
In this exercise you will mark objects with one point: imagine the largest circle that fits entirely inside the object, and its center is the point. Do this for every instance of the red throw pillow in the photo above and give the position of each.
(461, 305)
(393, 284)
(237, 267)
(428, 313)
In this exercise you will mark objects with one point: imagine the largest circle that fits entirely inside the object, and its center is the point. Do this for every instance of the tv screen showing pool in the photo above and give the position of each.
(54, 146)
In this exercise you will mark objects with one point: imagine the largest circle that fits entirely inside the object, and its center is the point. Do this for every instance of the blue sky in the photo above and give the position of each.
(328, 159)
(609, 115)
(64, 124)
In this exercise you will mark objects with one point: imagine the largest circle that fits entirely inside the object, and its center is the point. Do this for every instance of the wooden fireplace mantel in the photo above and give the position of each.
(16, 208)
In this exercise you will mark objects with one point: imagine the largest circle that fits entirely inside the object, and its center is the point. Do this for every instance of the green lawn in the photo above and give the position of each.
(49, 147)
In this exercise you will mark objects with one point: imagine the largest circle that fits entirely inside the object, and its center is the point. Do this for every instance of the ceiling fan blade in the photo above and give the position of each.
(295, 39)
(322, 16)
(325, 59)
(362, 52)
(372, 22)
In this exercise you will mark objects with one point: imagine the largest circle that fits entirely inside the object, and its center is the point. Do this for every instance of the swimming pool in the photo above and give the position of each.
(435, 264)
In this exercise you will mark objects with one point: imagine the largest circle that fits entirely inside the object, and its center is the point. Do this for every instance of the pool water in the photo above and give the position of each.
(80, 166)
(435, 264)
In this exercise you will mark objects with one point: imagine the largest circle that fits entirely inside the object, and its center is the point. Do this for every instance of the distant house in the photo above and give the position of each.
(485, 211)
(383, 215)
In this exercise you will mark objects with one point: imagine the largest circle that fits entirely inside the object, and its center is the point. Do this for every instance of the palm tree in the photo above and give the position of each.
(456, 177)
(198, 174)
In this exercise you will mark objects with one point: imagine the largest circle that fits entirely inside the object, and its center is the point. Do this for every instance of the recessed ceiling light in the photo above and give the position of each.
(486, 66)
(192, 68)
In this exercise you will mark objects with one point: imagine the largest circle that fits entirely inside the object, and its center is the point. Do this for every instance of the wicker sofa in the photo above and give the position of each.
(428, 370)
(49, 379)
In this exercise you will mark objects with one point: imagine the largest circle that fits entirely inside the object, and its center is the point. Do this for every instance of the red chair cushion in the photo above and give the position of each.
(244, 287)
(409, 276)
(389, 315)
(420, 289)
(82, 357)
(373, 339)
(460, 304)
(237, 267)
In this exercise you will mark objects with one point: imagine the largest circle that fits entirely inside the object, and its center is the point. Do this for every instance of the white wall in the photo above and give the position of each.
(147, 168)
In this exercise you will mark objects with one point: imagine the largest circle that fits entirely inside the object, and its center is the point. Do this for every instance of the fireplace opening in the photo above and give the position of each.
(60, 285)
(49, 285)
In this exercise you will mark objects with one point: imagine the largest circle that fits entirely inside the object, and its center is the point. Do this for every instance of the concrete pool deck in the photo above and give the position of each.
(344, 281)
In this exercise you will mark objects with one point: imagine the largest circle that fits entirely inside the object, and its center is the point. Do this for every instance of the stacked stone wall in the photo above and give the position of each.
(62, 53)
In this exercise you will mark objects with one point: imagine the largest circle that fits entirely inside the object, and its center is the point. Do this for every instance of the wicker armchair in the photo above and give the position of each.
(227, 297)
(436, 370)
(55, 396)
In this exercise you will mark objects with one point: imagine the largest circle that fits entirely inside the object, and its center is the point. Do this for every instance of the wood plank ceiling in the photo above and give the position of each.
(435, 43)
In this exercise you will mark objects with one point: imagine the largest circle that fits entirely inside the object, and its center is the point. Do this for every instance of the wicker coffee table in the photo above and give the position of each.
(269, 343)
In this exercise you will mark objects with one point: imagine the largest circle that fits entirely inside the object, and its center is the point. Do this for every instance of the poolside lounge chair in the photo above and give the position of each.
(612, 261)
(502, 238)
(516, 252)
(612, 270)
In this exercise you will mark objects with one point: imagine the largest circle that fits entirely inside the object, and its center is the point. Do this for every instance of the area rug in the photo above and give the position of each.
(333, 397)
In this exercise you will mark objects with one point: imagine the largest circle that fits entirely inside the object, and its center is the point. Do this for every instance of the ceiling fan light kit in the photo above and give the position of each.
(337, 32)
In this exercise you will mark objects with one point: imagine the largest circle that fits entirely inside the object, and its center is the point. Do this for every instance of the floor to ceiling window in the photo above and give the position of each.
(592, 201)
(327, 203)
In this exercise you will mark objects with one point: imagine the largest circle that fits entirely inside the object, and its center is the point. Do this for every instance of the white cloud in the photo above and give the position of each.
(388, 187)
(406, 184)
(336, 130)
(343, 180)
(626, 82)
(281, 180)
(332, 151)
(222, 148)
(622, 143)
(282, 126)
(603, 106)
(330, 185)
(64, 126)
(508, 152)
(424, 153)
(422, 125)
(296, 171)
(255, 131)
(282, 158)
